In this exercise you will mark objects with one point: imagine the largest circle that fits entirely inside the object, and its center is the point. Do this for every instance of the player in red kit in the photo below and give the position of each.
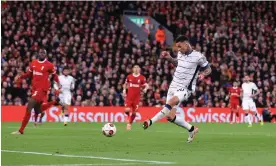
(234, 103)
(45, 105)
(134, 83)
(39, 70)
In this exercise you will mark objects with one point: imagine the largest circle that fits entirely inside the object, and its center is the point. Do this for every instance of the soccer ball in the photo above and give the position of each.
(109, 129)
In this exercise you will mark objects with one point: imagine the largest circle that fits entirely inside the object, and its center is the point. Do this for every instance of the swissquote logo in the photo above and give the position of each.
(116, 114)
(77, 115)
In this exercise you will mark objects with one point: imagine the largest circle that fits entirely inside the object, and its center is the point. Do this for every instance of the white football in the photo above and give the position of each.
(109, 129)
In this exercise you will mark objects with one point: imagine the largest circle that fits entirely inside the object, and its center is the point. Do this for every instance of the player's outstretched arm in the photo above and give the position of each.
(206, 71)
(241, 94)
(227, 97)
(146, 87)
(73, 84)
(205, 67)
(166, 55)
(56, 79)
(19, 78)
(124, 88)
(256, 94)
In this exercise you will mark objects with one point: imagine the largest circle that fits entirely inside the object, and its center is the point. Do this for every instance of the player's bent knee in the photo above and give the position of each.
(31, 104)
(246, 111)
(127, 111)
(135, 110)
(171, 114)
(253, 111)
(166, 111)
(173, 101)
(66, 107)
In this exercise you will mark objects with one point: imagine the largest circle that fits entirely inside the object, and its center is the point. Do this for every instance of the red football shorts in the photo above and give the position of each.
(39, 95)
(234, 105)
(132, 104)
(45, 99)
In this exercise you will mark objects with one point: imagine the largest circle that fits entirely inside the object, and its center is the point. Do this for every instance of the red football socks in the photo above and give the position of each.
(231, 116)
(45, 106)
(132, 117)
(128, 116)
(35, 117)
(41, 116)
(25, 121)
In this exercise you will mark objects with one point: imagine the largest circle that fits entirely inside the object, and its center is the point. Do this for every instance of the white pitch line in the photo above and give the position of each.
(90, 157)
(100, 164)
(54, 128)
(158, 131)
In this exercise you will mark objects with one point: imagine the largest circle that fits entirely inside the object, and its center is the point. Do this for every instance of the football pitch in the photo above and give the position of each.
(83, 144)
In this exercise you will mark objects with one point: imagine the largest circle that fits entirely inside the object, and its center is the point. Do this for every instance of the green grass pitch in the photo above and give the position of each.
(162, 144)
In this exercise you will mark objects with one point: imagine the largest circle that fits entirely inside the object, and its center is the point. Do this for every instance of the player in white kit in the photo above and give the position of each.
(249, 91)
(67, 83)
(189, 62)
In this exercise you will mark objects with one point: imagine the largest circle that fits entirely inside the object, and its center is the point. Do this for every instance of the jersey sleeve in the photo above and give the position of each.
(203, 63)
(242, 89)
(30, 68)
(254, 87)
(229, 89)
(144, 81)
(52, 69)
(72, 83)
(127, 79)
(29, 72)
(178, 55)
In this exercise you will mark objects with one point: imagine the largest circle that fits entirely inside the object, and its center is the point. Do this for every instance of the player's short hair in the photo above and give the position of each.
(135, 65)
(66, 68)
(181, 38)
(43, 49)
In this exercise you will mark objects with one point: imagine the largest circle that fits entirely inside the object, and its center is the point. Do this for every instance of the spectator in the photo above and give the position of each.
(145, 28)
(160, 35)
(268, 116)
(91, 39)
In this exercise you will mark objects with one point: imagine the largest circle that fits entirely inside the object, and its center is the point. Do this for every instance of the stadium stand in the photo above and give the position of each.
(90, 38)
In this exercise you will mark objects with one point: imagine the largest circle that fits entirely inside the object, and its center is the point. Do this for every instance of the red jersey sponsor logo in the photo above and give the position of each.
(41, 72)
(134, 85)
(37, 73)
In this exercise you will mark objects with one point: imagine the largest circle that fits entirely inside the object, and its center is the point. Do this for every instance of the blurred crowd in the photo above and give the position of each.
(89, 37)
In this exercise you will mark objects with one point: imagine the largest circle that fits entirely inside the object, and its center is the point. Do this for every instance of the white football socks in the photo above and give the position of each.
(182, 123)
(65, 119)
(257, 116)
(248, 119)
(160, 115)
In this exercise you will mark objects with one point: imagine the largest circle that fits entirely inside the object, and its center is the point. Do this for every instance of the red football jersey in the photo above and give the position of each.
(234, 94)
(40, 72)
(134, 84)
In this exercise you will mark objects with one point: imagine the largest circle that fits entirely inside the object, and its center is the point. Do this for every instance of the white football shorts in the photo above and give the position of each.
(249, 105)
(183, 94)
(65, 98)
